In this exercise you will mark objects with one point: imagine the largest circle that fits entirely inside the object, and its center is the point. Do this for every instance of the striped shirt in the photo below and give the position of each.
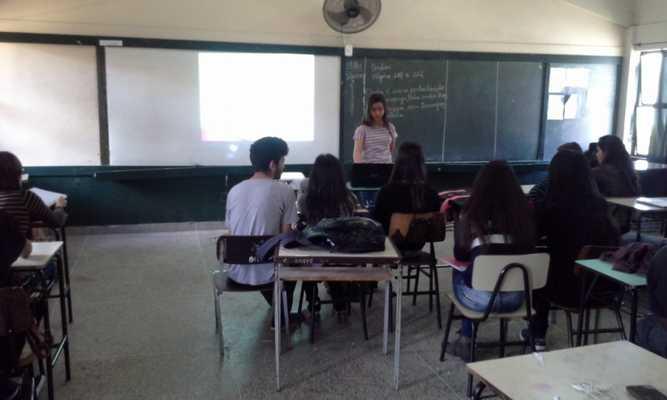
(27, 208)
(376, 143)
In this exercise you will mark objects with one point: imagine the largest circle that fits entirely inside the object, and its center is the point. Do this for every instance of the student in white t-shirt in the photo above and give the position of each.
(261, 205)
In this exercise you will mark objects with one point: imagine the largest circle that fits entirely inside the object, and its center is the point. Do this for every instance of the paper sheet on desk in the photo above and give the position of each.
(454, 263)
(49, 198)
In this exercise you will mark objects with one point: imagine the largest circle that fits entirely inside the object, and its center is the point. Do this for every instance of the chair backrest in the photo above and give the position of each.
(488, 268)
(232, 249)
(403, 223)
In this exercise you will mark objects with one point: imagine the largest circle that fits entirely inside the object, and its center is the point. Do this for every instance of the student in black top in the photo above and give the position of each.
(495, 220)
(326, 196)
(573, 215)
(592, 154)
(12, 245)
(616, 176)
(407, 190)
(652, 330)
(538, 192)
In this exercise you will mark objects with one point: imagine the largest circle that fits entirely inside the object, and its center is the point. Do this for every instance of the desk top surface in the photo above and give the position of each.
(389, 255)
(606, 368)
(636, 204)
(42, 253)
(606, 269)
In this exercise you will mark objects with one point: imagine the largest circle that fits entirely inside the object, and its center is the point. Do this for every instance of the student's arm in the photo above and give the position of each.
(461, 240)
(359, 138)
(38, 211)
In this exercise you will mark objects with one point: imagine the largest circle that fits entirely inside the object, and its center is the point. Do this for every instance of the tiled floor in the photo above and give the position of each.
(143, 328)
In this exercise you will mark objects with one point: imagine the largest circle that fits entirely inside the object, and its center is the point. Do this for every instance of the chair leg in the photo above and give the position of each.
(587, 324)
(503, 337)
(473, 345)
(414, 296)
(303, 292)
(596, 325)
(216, 311)
(391, 307)
(362, 303)
(370, 296)
(570, 332)
(445, 338)
(430, 290)
(221, 336)
(434, 273)
(286, 310)
(312, 312)
(619, 321)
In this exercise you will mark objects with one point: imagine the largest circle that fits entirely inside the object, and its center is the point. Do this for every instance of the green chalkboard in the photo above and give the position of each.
(416, 98)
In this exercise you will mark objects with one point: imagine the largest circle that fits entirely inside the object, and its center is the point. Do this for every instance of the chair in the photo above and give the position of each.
(414, 230)
(239, 250)
(607, 300)
(496, 274)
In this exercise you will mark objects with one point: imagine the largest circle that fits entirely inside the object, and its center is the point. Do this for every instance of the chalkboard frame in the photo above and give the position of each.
(201, 45)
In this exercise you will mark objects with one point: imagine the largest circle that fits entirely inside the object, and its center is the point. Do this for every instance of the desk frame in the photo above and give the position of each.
(393, 264)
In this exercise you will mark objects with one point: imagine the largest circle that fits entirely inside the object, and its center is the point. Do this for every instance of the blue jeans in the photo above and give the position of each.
(478, 300)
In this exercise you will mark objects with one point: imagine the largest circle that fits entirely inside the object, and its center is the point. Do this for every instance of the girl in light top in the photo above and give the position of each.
(375, 138)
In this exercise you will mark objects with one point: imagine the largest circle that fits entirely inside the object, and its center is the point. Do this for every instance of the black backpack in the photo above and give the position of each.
(345, 235)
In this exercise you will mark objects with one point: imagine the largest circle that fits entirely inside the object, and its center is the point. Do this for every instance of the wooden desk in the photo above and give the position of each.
(639, 207)
(609, 367)
(389, 259)
(633, 282)
(42, 255)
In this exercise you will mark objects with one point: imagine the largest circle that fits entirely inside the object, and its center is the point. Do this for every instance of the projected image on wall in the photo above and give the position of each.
(246, 96)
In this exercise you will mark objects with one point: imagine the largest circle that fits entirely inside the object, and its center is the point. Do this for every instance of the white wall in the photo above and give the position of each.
(651, 19)
(529, 26)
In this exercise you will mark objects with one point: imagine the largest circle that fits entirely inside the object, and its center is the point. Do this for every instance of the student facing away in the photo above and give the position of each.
(652, 330)
(261, 206)
(495, 220)
(615, 176)
(408, 190)
(23, 205)
(573, 215)
(324, 195)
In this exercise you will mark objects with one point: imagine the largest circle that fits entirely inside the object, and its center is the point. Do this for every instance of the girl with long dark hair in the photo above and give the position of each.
(408, 190)
(375, 138)
(615, 176)
(496, 219)
(574, 215)
(324, 195)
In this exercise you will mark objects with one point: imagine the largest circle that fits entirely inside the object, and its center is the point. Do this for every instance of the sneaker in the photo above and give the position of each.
(539, 342)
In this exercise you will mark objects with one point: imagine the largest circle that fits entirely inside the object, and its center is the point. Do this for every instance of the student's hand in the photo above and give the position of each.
(61, 202)
(27, 249)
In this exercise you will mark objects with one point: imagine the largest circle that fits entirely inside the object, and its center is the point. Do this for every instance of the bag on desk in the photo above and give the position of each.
(346, 235)
(633, 258)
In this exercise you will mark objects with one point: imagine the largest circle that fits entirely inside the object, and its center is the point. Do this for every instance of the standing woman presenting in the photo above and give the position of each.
(375, 138)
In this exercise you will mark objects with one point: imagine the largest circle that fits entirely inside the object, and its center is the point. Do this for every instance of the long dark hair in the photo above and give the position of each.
(497, 205)
(617, 156)
(327, 196)
(410, 168)
(10, 171)
(574, 202)
(376, 98)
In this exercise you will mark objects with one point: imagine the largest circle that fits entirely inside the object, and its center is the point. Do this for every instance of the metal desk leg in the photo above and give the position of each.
(639, 228)
(276, 327)
(69, 287)
(385, 332)
(633, 315)
(62, 297)
(397, 334)
(582, 306)
(49, 357)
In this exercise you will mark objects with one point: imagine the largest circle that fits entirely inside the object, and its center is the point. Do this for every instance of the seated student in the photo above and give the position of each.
(495, 220)
(324, 195)
(652, 330)
(573, 215)
(24, 205)
(615, 176)
(538, 192)
(12, 245)
(261, 205)
(407, 190)
(591, 154)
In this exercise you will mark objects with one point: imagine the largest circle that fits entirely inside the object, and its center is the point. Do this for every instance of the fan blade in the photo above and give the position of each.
(365, 14)
(340, 18)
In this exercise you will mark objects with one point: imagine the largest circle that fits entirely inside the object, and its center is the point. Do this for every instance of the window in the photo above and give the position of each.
(651, 107)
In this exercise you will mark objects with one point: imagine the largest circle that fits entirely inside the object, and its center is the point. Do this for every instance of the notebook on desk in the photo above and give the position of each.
(653, 201)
